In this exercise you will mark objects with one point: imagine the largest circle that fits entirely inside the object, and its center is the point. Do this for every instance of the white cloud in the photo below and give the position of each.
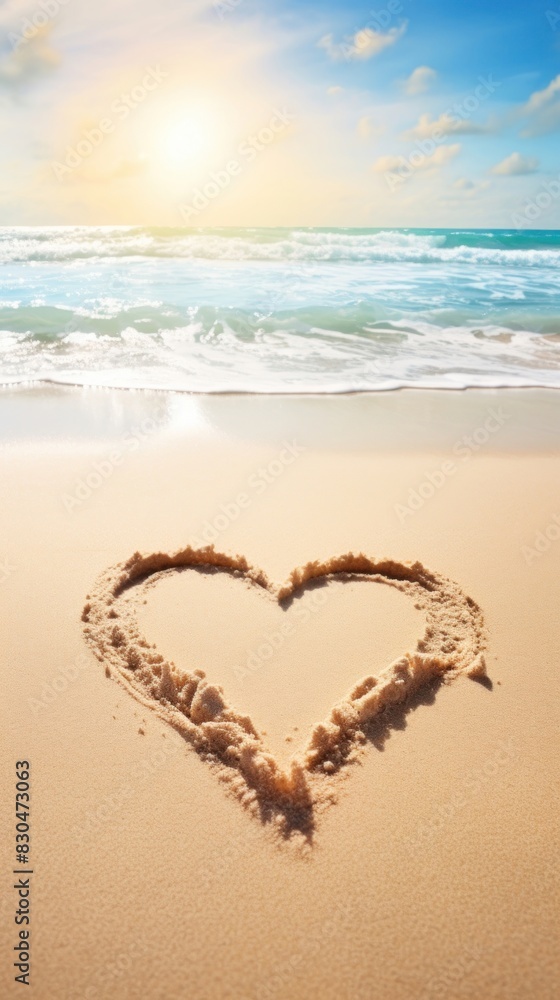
(464, 190)
(363, 45)
(367, 129)
(543, 110)
(468, 187)
(541, 97)
(417, 160)
(331, 91)
(385, 164)
(419, 81)
(515, 165)
(443, 126)
(441, 156)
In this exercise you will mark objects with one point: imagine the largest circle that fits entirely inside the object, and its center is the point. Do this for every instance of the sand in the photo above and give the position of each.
(252, 781)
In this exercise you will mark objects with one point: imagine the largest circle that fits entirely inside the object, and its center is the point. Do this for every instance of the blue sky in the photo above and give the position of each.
(404, 113)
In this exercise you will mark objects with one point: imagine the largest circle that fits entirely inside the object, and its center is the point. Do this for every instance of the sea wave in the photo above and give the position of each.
(279, 310)
(19, 244)
(231, 354)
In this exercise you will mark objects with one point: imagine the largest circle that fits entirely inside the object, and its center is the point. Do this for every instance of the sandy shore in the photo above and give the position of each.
(304, 833)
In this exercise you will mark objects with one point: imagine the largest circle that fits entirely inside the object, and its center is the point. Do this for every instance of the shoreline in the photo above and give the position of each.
(404, 387)
(521, 421)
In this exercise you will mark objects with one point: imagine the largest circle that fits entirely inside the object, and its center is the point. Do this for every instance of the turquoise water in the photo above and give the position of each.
(280, 310)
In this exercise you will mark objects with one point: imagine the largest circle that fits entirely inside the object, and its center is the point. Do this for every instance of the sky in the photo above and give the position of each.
(420, 113)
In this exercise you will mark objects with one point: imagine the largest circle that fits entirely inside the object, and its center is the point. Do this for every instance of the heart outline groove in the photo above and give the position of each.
(287, 798)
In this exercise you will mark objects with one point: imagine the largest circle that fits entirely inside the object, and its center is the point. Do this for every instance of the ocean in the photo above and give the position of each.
(279, 310)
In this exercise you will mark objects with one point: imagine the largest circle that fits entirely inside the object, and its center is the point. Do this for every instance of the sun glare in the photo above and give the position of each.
(187, 139)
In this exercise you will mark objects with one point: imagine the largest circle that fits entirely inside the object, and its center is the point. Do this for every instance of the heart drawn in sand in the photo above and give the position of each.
(452, 644)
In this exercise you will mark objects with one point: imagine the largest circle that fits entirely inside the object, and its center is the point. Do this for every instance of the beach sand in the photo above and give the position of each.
(301, 834)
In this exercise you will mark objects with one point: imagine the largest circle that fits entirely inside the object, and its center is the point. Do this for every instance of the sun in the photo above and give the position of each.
(186, 138)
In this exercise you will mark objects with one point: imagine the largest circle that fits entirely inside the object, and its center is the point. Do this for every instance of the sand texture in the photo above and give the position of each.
(286, 674)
